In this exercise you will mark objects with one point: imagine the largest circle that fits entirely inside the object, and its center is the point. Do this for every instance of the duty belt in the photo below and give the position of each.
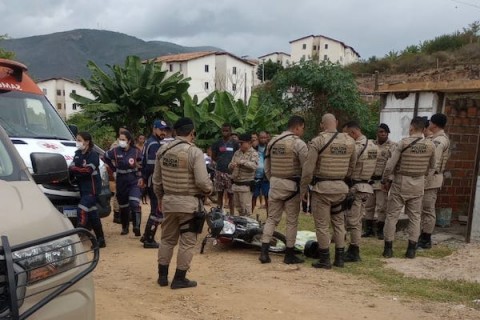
(243, 183)
(316, 180)
(359, 181)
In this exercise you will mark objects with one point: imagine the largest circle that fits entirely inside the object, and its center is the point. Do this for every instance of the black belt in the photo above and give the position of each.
(376, 177)
(243, 183)
(359, 181)
(316, 180)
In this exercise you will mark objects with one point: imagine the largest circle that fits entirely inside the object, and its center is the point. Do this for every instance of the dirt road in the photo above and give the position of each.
(232, 284)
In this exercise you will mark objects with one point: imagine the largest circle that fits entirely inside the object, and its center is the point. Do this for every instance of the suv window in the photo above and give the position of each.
(10, 170)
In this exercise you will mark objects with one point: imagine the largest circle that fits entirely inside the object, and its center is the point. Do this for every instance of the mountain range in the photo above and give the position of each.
(65, 54)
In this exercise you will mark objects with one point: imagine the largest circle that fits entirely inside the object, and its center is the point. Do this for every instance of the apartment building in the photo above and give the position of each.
(279, 57)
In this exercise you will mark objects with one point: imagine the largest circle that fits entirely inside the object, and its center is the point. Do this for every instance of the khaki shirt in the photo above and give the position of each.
(384, 153)
(405, 184)
(247, 163)
(182, 203)
(360, 144)
(442, 149)
(283, 188)
(326, 187)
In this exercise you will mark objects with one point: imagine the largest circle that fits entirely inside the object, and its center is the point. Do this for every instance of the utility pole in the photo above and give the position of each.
(263, 70)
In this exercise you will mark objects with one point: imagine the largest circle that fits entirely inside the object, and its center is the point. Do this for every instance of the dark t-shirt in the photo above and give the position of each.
(223, 153)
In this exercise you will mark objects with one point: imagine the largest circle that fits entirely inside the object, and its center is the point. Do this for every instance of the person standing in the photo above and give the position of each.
(331, 159)
(243, 166)
(412, 159)
(222, 154)
(155, 218)
(377, 202)
(116, 208)
(284, 159)
(125, 161)
(84, 168)
(433, 184)
(179, 179)
(262, 185)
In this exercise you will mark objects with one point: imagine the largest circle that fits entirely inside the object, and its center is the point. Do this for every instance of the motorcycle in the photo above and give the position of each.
(227, 229)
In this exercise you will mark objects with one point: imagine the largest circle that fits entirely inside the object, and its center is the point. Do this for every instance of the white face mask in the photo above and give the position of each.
(80, 145)
(122, 144)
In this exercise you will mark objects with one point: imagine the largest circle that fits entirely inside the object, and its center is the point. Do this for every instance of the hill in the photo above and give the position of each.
(65, 54)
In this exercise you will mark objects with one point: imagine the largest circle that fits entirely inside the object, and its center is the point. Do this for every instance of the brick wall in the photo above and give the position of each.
(463, 128)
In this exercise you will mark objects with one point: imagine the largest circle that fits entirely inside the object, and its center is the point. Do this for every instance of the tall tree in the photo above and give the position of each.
(132, 95)
(267, 70)
(5, 54)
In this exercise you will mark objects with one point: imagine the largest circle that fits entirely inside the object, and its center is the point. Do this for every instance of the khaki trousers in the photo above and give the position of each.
(275, 210)
(354, 217)
(413, 208)
(169, 239)
(429, 216)
(376, 206)
(321, 205)
(243, 202)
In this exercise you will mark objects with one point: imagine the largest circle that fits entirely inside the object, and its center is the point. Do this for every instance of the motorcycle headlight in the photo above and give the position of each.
(46, 260)
(228, 227)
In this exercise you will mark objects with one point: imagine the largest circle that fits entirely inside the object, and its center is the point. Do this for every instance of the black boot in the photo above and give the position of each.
(425, 241)
(339, 253)
(291, 258)
(264, 257)
(180, 281)
(380, 225)
(148, 238)
(411, 250)
(324, 261)
(137, 220)
(98, 230)
(116, 217)
(352, 254)
(387, 249)
(124, 216)
(369, 232)
(162, 275)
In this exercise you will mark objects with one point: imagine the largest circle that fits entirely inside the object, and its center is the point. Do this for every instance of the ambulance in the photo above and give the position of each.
(34, 125)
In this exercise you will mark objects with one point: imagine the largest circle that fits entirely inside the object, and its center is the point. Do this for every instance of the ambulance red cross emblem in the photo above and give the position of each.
(50, 146)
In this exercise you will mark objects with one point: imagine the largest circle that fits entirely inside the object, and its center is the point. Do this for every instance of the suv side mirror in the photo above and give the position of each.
(74, 129)
(48, 167)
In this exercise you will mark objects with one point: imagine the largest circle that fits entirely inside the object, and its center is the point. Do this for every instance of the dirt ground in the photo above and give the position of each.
(232, 284)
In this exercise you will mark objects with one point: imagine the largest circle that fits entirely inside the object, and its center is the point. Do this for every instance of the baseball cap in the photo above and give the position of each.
(160, 124)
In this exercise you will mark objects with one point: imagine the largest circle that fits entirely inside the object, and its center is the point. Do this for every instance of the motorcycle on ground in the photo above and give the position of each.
(227, 229)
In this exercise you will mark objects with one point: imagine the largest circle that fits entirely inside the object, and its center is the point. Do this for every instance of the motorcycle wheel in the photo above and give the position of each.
(278, 243)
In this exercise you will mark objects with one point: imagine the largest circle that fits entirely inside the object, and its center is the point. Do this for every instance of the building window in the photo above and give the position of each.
(234, 87)
(63, 92)
(59, 92)
(206, 68)
(234, 70)
(44, 91)
(59, 106)
(314, 47)
(325, 57)
(74, 106)
(74, 91)
(206, 85)
(304, 46)
(180, 66)
(326, 45)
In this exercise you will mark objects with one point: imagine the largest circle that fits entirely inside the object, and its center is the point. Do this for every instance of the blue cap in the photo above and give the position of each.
(160, 124)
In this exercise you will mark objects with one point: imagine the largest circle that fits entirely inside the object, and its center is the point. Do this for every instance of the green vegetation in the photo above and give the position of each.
(5, 54)
(267, 70)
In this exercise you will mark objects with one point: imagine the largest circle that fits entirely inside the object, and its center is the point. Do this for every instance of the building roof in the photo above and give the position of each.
(58, 78)
(276, 52)
(439, 86)
(322, 36)
(182, 57)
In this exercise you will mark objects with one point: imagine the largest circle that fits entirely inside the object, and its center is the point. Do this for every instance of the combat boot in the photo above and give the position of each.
(324, 261)
(352, 254)
(339, 254)
(116, 217)
(148, 238)
(411, 250)
(290, 257)
(137, 219)
(369, 232)
(425, 241)
(98, 230)
(101, 242)
(380, 226)
(180, 281)
(387, 249)
(162, 275)
(124, 217)
(264, 257)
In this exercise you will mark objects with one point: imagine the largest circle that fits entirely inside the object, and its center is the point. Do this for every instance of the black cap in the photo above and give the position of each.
(384, 127)
(182, 122)
(245, 137)
(439, 119)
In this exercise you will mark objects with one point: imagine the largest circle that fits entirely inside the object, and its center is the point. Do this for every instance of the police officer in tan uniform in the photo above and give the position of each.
(243, 166)
(331, 159)
(360, 187)
(284, 158)
(377, 203)
(412, 159)
(433, 184)
(179, 177)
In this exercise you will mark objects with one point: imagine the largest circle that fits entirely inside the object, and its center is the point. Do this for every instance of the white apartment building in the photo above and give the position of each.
(279, 57)
(212, 70)
(58, 90)
(319, 48)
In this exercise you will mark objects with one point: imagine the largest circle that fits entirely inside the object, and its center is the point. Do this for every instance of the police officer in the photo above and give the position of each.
(412, 159)
(125, 160)
(284, 159)
(331, 159)
(148, 163)
(377, 202)
(433, 184)
(360, 187)
(243, 166)
(180, 175)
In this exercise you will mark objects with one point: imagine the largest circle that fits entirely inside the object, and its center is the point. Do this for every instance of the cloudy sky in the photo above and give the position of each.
(254, 28)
